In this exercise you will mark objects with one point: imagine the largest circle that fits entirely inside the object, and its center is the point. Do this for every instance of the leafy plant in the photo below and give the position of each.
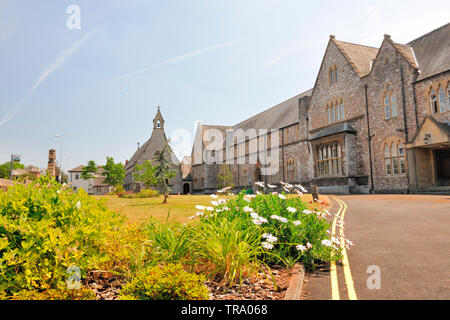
(88, 170)
(44, 229)
(114, 172)
(145, 173)
(165, 282)
(226, 250)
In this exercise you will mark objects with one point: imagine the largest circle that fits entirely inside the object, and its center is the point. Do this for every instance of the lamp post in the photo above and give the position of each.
(60, 157)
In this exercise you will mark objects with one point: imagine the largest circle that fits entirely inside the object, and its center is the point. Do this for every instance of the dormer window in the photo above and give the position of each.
(333, 74)
(158, 124)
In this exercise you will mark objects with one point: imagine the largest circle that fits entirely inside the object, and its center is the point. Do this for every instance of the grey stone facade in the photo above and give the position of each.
(368, 125)
(157, 142)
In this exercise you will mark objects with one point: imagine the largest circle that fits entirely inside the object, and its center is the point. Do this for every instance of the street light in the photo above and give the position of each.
(60, 157)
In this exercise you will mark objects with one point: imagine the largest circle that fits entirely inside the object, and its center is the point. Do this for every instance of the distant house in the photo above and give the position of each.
(95, 185)
(29, 171)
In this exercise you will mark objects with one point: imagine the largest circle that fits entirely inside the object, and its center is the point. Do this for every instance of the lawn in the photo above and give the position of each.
(181, 207)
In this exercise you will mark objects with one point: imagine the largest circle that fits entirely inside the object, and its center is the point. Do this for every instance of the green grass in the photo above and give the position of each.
(181, 207)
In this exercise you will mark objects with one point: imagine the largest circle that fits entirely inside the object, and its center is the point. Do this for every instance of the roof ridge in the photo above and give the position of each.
(357, 44)
(278, 104)
(428, 33)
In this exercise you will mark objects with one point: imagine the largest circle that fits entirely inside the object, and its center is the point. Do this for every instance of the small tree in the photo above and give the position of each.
(5, 169)
(145, 173)
(89, 170)
(163, 171)
(114, 172)
(225, 177)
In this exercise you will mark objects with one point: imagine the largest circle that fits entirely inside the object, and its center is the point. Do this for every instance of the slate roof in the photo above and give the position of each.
(432, 52)
(359, 56)
(329, 131)
(279, 116)
(156, 142)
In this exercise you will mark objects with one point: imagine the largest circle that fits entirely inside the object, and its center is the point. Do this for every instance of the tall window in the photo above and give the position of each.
(329, 159)
(394, 158)
(290, 167)
(335, 111)
(390, 103)
(333, 74)
(433, 102)
(442, 100)
(158, 124)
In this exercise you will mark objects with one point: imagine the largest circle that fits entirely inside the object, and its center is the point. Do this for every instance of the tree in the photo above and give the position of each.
(145, 173)
(163, 171)
(114, 172)
(5, 169)
(225, 177)
(89, 170)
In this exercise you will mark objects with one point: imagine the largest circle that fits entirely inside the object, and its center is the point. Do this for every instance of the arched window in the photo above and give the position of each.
(333, 74)
(342, 110)
(433, 102)
(442, 100)
(158, 124)
(394, 158)
(390, 103)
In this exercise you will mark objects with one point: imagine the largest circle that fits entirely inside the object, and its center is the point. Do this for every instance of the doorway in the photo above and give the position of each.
(442, 166)
(186, 188)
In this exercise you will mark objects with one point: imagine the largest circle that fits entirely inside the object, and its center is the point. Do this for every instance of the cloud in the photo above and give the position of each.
(55, 65)
(176, 59)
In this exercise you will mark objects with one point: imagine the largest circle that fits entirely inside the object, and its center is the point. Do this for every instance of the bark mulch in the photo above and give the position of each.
(107, 286)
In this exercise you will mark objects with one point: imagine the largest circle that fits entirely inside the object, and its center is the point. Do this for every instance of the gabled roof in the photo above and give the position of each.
(279, 116)
(360, 57)
(432, 51)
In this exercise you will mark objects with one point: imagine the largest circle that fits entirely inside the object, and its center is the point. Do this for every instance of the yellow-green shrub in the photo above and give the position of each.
(44, 229)
(168, 282)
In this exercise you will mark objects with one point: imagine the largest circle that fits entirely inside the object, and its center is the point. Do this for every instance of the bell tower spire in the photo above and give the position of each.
(158, 121)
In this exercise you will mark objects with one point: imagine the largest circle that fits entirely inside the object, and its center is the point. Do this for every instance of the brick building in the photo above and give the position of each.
(376, 120)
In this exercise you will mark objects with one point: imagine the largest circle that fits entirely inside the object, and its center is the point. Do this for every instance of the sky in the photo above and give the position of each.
(97, 81)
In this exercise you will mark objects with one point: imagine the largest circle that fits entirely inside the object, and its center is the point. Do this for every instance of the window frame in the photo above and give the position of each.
(329, 159)
(394, 158)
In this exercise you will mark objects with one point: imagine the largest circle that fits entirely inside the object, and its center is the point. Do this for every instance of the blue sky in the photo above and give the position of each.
(215, 61)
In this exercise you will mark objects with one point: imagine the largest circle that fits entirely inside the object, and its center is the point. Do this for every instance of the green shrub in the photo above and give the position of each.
(289, 229)
(169, 282)
(146, 193)
(44, 229)
(226, 250)
(52, 294)
(119, 189)
(169, 242)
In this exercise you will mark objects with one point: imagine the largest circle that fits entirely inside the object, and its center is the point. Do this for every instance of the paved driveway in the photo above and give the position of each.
(405, 237)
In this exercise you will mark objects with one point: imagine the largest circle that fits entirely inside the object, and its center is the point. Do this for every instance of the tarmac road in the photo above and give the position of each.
(406, 240)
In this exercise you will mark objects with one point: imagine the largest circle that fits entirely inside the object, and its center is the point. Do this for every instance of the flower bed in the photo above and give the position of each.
(228, 248)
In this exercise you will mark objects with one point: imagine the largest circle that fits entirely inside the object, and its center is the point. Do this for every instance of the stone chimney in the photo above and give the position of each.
(51, 167)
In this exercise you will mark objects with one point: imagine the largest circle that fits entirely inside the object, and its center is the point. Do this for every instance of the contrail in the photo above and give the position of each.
(59, 61)
(179, 58)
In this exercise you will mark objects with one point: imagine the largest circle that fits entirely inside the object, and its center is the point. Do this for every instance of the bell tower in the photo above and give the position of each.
(158, 121)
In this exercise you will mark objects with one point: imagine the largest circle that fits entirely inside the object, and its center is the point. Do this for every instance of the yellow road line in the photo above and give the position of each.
(333, 271)
(347, 272)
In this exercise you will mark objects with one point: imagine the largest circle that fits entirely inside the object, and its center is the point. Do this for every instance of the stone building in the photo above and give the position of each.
(376, 120)
(157, 142)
